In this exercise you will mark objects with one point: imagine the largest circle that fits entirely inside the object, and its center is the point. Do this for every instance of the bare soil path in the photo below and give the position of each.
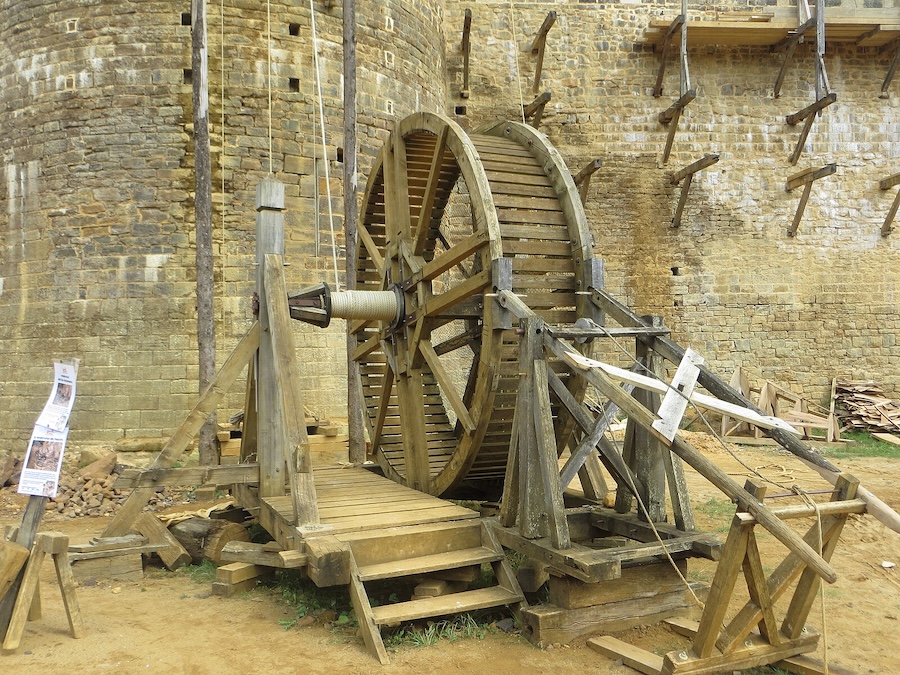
(169, 623)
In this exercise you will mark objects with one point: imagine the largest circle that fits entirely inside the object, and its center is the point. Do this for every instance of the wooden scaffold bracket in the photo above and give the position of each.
(807, 116)
(672, 114)
(583, 177)
(466, 50)
(538, 47)
(687, 175)
(676, 25)
(789, 45)
(887, 184)
(534, 111)
(892, 69)
(806, 178)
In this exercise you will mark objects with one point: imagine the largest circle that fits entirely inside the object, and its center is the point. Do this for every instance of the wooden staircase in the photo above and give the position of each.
(423, 550)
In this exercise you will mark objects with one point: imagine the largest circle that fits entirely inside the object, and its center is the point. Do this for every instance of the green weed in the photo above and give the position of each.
(204, 573)
(863, 444)
(462, 627)
(307, 599)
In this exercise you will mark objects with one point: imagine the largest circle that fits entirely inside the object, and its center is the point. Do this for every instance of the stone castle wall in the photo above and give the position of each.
(97, 235)
(97, 231)
(799, 310)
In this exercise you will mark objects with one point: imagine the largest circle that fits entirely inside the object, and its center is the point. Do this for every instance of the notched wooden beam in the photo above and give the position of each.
(466, 50)
(687, 175)
(806, 177)
(535, 110)
(887, 184)
(583, 178)
(666, 42)
(538, 47)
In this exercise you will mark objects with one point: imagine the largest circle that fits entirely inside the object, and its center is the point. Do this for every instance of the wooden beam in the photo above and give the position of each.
(179, 441)
(789, 44)
(200, 475)
(807, 115)
(535, 109)
(690, 169)
(466, 49)
(670, 117)
(687, 174)
(583, 178)
(889, 182)
(888, 225)
(676, 24)
(811, 109)
(290, 435)
(423, 223)
(447, 387)
(538, 46)
(808, 176)
(674, 110)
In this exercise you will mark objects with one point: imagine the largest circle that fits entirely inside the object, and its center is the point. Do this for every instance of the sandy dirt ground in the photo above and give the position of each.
(170, 623)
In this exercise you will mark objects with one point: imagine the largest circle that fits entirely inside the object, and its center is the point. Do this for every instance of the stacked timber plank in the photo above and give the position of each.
(863, 405)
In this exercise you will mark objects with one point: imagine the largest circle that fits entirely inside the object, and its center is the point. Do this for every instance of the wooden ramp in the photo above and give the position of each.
(351, 499)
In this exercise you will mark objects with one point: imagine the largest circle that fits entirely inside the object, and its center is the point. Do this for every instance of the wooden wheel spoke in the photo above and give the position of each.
(431, 188)
(446, 383)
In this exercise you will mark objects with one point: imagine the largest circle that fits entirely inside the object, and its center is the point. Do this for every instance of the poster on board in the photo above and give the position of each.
(43, 459)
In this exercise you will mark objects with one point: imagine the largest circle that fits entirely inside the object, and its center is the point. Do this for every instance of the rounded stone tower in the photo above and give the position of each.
(97, 245)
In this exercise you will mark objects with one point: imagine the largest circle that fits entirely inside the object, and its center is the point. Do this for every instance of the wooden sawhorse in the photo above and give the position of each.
(26, 605)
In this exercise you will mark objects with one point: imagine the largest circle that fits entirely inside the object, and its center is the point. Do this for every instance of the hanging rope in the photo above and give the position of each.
(315, 40)
(269, 78)
(222, 136)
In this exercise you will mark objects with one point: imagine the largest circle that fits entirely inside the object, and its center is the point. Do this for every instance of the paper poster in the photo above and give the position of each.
(62, 397)
(40, 475)
(43, 461)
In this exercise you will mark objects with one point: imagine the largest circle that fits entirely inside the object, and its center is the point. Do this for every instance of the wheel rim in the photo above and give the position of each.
(442, 209)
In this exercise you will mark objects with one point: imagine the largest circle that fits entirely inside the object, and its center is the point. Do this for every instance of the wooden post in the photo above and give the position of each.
(206, 322)
(538, 46)
(466, 49)
(269, 239)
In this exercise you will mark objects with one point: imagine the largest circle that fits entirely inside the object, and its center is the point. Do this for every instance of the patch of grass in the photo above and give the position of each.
(863, 444)
(307, 599)
(461, 628)
(718, 510)
(204, 573)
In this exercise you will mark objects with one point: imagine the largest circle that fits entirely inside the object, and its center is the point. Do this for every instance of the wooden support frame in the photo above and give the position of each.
(583, 178)
(789, 45)
(887, 184)
(672, 114)
(538, 47)
(534, 111)
(736, 646)
(892, 70)
(687, 175)
(670, 117)
(466, 50)
(807, 116)
(677, 24)
(806, 178)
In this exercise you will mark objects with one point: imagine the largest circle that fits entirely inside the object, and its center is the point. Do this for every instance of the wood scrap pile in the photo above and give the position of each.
(863, 405)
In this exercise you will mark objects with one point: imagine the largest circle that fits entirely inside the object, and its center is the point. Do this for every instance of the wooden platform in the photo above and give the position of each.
(352, 499)
(865, 28)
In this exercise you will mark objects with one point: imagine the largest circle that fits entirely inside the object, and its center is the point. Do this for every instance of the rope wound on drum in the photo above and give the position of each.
(317, 305)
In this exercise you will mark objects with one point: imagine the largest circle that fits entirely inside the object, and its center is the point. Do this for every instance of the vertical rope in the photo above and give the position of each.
(269, 78)
(315, 40)
(222, 257)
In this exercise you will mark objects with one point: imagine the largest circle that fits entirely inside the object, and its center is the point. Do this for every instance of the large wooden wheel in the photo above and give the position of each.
(448, 219)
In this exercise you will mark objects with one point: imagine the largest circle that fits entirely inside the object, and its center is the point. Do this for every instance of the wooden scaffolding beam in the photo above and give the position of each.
(466, 50)
(887, 184)
(687, 175)
(534, 111)
(806, 178)
(583, 178)
(538, 46)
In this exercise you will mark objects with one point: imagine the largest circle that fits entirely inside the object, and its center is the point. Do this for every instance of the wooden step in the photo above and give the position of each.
(428, 563)
(454, 603)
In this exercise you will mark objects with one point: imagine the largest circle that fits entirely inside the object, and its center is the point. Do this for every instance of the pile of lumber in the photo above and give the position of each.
(863, 405)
